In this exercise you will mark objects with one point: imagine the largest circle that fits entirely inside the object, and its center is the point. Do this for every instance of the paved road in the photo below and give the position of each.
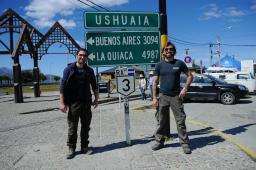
(237, 121)
(36, 139)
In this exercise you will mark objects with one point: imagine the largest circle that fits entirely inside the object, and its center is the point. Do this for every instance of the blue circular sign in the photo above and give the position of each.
(187, 59)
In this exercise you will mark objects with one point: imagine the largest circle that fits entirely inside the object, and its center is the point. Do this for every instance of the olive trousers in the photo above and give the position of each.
(83, 111)
(163, 129)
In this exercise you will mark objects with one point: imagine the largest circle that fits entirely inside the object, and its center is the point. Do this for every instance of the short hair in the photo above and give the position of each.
(82, 49)
(167, 44)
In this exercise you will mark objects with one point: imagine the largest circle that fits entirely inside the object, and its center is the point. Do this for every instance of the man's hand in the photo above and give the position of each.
(183, 92)
(187, 84)
(155, 102)
(95, 103)
(63, 108)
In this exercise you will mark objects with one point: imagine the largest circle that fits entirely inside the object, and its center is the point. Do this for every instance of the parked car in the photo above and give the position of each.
(207, 87)
(244, 78)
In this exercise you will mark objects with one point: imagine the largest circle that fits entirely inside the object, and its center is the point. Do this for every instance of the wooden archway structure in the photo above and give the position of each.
(37, 45)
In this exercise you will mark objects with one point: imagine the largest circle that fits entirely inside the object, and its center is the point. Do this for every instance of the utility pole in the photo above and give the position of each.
(201, 66)
(186, 51)
(163, 22)
(218, 50)
(210, 46)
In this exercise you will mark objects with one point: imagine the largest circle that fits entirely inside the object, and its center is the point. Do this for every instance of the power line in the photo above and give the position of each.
(240, 45)
(98, 5)
(204, 44)
(88, 5)
(187, 42)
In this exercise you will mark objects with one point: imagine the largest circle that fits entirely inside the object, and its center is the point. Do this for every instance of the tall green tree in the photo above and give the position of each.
(27, 76)
(56, 78)
(42, 77)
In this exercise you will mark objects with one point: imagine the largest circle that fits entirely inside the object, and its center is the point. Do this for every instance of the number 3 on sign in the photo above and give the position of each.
(125, 85)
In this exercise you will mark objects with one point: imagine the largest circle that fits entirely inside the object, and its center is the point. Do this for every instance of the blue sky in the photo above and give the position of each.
(191, 24)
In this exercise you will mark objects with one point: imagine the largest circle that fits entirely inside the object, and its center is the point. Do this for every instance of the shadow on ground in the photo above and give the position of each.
(120, 145)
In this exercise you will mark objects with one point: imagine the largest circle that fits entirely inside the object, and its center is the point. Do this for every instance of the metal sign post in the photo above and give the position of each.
(125, 86)
(127, 120)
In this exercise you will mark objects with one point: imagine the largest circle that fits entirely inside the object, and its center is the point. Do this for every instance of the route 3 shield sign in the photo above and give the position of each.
(125, 85)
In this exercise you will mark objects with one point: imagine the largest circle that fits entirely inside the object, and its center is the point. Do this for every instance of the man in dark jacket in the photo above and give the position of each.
(75, 96)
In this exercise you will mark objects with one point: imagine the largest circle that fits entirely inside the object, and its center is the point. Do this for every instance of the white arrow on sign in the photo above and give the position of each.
(90, 41)
(91, 56)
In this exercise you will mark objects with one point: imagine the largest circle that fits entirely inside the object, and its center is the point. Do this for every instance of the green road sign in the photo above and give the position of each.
(121, 20)
(123, 48)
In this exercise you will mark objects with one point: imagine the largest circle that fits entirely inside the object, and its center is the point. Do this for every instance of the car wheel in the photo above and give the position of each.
(227, 98)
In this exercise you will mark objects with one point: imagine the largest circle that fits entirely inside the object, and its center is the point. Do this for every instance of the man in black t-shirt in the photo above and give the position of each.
(76, 97)
(170, 95)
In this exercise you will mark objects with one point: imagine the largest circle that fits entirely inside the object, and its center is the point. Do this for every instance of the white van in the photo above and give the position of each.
(231, 75)
(244, 78)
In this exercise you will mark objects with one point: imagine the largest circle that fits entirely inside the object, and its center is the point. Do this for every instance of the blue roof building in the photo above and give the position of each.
(230, 62)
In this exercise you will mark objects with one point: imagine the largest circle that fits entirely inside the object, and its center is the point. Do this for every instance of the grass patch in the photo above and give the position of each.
(29, 89)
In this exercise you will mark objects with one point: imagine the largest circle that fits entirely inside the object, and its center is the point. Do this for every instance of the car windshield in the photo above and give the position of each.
(220, 81)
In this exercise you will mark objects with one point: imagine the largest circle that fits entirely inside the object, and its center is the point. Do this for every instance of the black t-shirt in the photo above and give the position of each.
(169, 73)
(81, 91)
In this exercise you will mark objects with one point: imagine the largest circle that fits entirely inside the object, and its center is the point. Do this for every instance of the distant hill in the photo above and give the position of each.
(50, 79)
(8, 72)
(4, 71)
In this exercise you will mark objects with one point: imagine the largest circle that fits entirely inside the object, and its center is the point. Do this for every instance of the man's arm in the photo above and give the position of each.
(187, 84)
(96, 95)
(155, 83)
(63, 107)
(94, 86)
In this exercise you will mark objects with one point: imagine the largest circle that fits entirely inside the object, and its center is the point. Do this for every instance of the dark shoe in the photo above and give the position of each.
(71, 153)
(186, 148)
(86, 150)
(157, 146)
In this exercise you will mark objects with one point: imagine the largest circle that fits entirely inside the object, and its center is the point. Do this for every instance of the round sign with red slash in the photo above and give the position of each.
(187, 59)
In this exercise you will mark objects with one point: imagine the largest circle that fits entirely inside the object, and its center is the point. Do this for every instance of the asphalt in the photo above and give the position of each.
(33, 136)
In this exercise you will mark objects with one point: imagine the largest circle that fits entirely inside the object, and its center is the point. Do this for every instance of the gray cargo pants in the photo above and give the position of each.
(76, 110)
(163, 130)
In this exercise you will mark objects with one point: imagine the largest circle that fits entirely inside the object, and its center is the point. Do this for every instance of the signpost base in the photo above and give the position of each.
(127, 121)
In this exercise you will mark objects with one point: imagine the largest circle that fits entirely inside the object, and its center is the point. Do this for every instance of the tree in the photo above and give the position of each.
(1, 80)
(56, 78)
(5, 80)
(27, 76)
(42, 77)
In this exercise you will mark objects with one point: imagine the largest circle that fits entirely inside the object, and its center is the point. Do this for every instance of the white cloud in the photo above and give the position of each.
(81, 43)
(44, 23)
(213, 11)
(233, 12)
(44, 12)
(110, 3)
(67, 23)
(212, 14)
(253, 6)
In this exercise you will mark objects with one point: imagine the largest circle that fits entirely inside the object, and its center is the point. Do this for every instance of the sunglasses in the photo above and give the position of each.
(169, 49)
(82, 55)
